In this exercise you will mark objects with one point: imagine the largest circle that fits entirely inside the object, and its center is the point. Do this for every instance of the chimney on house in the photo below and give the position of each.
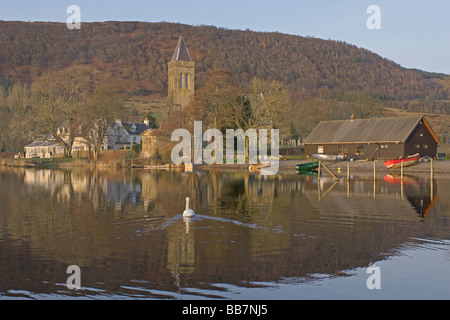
(147, 122)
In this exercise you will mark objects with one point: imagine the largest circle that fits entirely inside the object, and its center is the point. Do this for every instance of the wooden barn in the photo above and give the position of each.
(377, 138)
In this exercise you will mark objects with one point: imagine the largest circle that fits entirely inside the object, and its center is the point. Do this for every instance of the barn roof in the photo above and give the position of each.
(376, 130)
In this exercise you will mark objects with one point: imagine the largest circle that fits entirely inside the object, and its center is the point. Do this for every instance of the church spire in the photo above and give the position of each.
(181, 51)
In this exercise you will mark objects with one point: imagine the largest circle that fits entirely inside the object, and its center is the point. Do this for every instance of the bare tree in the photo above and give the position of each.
(57, 98)
(215, 103)
(14, 128)
(271, 105)
(101, 111)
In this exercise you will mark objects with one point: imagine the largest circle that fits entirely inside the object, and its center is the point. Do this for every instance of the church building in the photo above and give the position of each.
(181, 83)
(181, 88)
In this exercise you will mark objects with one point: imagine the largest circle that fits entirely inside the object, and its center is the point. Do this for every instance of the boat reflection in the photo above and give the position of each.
(395, 178)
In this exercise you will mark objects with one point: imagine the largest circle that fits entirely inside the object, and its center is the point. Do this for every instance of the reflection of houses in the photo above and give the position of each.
(378, 138)
(48, 179)
(121, 192)
(341, 231)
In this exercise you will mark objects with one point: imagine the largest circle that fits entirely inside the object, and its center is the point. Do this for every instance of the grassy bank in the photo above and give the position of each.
(42, 163)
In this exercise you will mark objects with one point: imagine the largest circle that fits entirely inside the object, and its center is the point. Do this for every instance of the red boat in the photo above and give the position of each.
(408, 161)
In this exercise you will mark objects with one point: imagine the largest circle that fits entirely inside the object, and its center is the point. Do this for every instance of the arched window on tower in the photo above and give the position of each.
(186, 83)
(181, 81)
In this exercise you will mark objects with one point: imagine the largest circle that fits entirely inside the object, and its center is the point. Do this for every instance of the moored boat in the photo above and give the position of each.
(307, 166)
(330, 157)
(397, 163)
(257, 167)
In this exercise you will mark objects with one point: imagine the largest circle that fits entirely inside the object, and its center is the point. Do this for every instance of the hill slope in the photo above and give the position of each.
(138, 54)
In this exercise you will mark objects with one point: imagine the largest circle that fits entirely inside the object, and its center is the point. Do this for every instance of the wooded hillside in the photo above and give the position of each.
(139, 52)
(326, 79)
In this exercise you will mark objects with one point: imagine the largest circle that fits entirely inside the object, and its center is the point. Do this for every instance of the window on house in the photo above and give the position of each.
(342, 148)
(181, 81)
(417, 146)
(424, 146)
(187, 81)
(320, 149)
(359, 150)
(384, 146)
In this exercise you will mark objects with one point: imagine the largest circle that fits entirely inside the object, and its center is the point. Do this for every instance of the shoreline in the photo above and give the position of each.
(440, 168)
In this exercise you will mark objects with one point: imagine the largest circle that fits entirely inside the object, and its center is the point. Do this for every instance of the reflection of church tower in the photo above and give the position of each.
(181, 78)
(181, 252)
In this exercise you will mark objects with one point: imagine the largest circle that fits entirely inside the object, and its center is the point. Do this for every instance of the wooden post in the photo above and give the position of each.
(432, 190)
(401, 171)
(401, 188)
(319, 189)
(374, 188)
(326, 192)
(374, 179)
(348, 188)
(318, 170)
(374, 170)
(432, 169)
(348, 171)
(329, 171)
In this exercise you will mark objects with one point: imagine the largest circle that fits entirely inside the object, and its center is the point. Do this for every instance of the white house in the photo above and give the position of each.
(120, 135)
(125, 134)
(43, 149)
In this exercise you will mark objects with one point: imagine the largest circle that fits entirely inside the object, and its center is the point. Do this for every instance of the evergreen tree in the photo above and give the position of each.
(153, 123)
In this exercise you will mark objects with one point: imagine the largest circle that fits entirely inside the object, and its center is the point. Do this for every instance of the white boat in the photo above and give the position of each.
(330, 157)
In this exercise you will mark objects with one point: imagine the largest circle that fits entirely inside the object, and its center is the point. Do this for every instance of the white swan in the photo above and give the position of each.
(188, 213)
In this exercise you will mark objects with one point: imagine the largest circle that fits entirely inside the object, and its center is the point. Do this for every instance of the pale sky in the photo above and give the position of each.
(415, 34)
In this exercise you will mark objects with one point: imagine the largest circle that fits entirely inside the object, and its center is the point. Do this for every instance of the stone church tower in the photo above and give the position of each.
(181, 78)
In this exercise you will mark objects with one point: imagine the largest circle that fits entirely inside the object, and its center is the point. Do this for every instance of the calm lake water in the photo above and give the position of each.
(254, 237)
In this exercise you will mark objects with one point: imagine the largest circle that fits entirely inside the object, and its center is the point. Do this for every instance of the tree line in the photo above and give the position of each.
(65, 104)
(81, 101)
(139, 52)
(50, 75)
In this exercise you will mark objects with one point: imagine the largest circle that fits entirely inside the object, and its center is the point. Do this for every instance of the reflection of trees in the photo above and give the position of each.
(282, 228)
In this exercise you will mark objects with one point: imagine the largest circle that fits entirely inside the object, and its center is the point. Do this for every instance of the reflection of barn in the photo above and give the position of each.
(392, 197)
(378, 138)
